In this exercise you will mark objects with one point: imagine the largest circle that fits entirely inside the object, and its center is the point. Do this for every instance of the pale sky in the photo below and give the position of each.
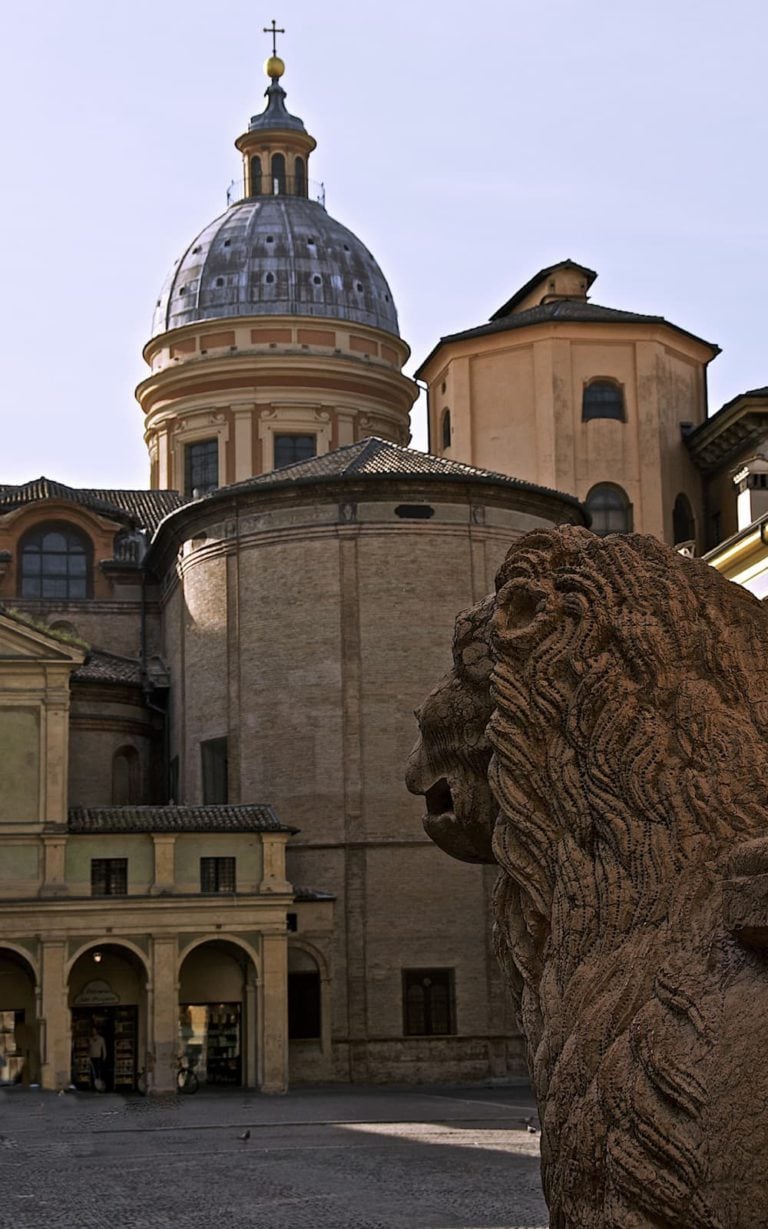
(467, 145)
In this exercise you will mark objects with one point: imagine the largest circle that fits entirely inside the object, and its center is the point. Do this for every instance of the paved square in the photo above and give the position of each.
(331, 1158)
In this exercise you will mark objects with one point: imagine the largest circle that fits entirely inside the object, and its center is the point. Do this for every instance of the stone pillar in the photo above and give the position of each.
(274, 1013)
(164, 866)
(54, 878)
(250, 1023)
(164, 1025)
(273, 870)
(55, 1043)
(243, 442)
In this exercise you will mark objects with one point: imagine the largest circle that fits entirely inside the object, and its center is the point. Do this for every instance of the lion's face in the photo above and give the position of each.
(449, 764)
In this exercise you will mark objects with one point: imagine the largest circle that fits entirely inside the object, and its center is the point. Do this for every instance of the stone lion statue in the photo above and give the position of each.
(614, 695)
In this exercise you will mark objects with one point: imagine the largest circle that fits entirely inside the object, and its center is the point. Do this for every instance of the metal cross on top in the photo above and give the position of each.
(274, 30)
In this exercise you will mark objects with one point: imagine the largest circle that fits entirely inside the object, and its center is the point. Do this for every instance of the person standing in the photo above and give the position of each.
(97, 1053)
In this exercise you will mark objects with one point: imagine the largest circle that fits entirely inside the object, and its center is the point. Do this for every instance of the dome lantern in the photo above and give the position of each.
(276, 145)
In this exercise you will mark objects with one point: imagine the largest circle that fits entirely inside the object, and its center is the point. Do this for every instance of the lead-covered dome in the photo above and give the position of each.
(274, 256)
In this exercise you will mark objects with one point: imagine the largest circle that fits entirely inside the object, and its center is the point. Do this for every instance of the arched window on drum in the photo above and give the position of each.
(603, 398)
(609, 508)
(278, 174)
(55, 563)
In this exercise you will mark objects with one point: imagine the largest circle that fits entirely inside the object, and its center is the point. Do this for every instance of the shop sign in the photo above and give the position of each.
(96, 994)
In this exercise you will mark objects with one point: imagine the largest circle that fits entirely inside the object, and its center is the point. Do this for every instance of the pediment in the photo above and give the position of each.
(21, 641)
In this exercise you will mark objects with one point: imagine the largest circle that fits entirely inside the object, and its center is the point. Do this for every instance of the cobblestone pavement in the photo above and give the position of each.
(330, 1158)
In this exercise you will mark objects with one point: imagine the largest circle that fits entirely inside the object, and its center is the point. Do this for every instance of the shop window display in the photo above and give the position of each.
(11, 1052)
(118, 1026)
(209, 1035)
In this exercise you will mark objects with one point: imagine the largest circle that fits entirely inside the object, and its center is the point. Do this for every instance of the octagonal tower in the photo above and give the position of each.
(275, 335)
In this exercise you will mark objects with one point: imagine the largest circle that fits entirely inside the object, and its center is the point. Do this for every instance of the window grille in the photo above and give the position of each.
(109, 876)
(603, 399)
(610, 509)
(201, 467)
(291, 448)
(217, 875)
(55, 563)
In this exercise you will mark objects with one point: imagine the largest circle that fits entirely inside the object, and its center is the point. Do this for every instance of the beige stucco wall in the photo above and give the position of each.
(237, 383)
(247, 849)
(35, 670)
(142, 938)
(515, 399)
(137, 849)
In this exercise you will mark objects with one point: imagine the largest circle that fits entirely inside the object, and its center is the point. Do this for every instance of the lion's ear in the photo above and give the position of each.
(745, 893)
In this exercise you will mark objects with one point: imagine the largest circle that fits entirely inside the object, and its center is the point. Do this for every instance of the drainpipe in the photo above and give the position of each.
(147, 689)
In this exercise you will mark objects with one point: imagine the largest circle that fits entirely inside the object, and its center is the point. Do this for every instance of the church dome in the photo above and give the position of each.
(275, 256)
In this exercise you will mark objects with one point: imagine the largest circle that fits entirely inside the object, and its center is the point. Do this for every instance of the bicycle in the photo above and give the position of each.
(186, 1078)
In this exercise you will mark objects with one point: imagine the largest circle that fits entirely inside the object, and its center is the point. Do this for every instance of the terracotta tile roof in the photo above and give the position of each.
(567, 311)
(143, 508)
(256, 818)
(101, 667)
(377, 458)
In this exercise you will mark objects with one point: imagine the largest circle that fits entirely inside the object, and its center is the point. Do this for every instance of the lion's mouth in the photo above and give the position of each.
(439, 798)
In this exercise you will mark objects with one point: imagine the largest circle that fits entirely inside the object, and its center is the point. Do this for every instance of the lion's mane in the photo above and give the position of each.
(628, 735)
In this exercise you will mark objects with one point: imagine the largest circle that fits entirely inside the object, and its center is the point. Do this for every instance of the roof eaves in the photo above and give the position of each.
(526, 320)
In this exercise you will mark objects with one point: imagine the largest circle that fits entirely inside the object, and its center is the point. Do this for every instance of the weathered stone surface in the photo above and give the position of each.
(627, 756)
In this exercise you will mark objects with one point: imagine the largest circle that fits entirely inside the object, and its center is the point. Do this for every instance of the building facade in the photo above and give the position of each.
(609, 405)
(207, 851)
(229, 868)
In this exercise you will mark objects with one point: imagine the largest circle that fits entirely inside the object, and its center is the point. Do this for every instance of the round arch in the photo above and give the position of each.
(8, 946)
(609, 508)
(218, 937)
(19, 1017)
(319, 958)
(108, 984)
(603, 397)
(219, 997)
(109, 941)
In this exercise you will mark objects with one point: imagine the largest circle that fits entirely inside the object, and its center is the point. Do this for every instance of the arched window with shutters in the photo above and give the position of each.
(126, 777)
(609, 509)
(278, 174)
(683, 523)
(55, 563)
(255, 175)
(299, 178)
(603, 398)
(445, 428)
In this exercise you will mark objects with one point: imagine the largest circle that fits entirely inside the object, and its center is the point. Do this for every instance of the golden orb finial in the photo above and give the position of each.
(274, 67)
